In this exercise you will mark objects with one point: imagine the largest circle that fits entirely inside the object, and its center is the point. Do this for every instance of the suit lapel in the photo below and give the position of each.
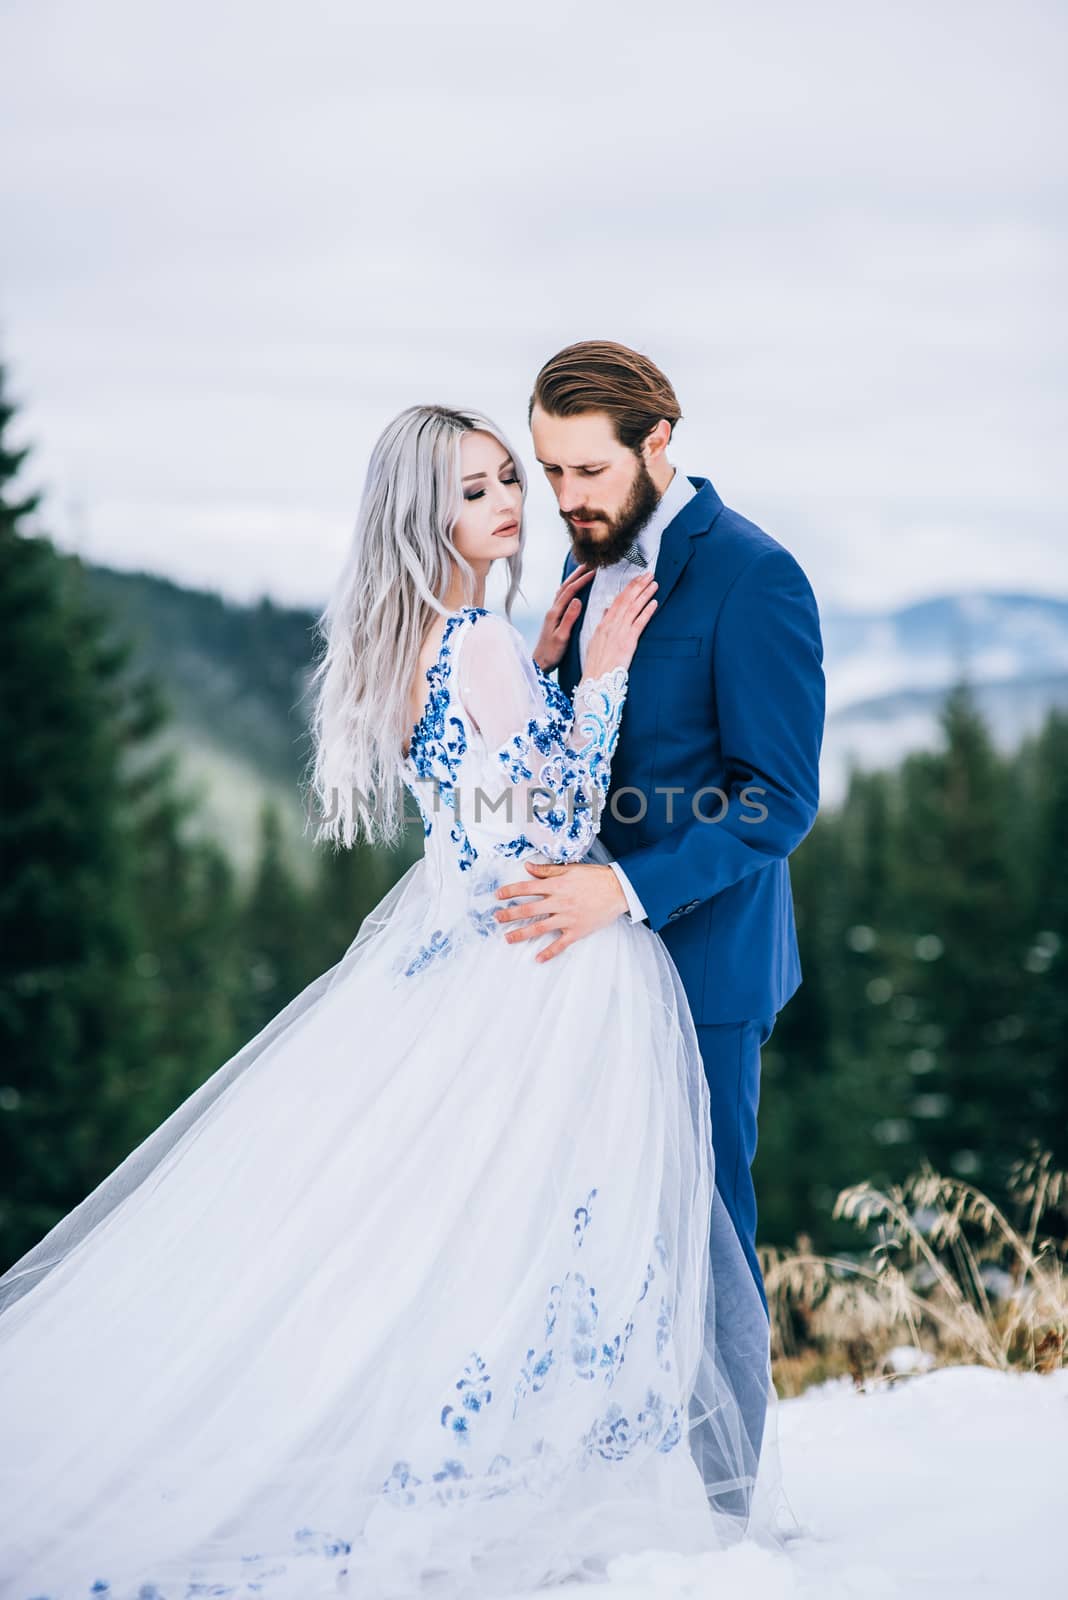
(676, 548)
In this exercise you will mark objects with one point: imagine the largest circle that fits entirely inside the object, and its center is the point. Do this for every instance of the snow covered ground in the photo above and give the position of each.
(946, 1485)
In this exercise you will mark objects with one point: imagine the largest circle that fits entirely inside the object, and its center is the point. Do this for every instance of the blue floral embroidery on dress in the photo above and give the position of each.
(443, 942)
(575, 744)
(306, 1542)
(663, 1332)
(400, 1484)
(484, 922)
(574, 741)
(438, 742)
(438, 945)
(476, 1382)
(515, 847)
(582, 1218)
(484, 919)
(466, 852)
(598, 710)
(545, 734)
(532, 1376)
(584, 1318)
(613, 1435)
(558, 780)
(542, 756)
(613, 1353)
(555, 697)
(650, 1274)
(311, 1542)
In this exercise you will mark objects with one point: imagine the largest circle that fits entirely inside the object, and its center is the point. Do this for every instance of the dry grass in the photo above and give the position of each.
(949, 1276)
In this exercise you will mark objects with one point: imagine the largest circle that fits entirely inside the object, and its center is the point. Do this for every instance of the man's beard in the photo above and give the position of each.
(622, 529)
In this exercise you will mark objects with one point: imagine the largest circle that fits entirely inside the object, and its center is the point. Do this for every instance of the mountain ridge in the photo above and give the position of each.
(236, 675)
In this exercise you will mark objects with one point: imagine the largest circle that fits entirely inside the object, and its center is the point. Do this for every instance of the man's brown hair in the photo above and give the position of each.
(598, 375)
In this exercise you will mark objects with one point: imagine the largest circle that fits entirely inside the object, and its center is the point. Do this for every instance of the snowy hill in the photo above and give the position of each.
(236, 675)
(887, 674)
(995, 636)
(952, 1485)
(879, 731)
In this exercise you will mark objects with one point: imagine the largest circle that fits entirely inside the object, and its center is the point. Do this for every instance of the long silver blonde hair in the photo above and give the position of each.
(398, 566)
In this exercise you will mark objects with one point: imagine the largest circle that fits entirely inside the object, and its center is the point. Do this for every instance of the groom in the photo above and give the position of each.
(715, 777)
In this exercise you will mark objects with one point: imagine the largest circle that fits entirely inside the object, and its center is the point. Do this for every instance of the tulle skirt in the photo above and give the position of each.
(427, 1291)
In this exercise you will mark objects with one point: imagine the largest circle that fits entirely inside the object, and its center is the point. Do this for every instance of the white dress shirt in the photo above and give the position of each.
(609, 581)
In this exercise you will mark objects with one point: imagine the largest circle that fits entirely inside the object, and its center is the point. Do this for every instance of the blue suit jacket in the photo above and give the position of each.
(726, 692)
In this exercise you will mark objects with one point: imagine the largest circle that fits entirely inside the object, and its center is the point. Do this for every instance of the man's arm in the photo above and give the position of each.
(635, 908)
(770, 697)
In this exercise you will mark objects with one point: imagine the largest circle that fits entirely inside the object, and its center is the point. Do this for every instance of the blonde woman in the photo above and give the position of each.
(413, 1296)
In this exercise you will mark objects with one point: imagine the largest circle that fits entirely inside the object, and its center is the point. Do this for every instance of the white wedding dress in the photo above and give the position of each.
(413, 1296)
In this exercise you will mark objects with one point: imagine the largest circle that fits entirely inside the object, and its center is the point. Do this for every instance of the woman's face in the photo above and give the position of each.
(489, 525)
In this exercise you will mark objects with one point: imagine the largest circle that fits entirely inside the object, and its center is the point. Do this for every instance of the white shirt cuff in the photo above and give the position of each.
(635, 908)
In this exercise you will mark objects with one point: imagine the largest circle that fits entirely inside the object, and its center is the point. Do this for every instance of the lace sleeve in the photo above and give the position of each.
(548, 758)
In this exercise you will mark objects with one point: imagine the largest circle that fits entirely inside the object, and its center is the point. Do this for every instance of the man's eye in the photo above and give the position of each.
(591, 472)
(550, 470)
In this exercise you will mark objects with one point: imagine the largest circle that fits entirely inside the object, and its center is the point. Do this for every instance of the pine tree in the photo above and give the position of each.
(1046, 957)
(279, 957)
(189, 960)
(347, 885)
(961, 933)
(71, 1025)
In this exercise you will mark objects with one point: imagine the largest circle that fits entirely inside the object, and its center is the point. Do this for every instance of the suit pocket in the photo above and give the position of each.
(661, 645)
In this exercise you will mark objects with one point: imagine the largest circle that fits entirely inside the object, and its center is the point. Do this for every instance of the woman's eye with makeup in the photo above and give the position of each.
(474, 494)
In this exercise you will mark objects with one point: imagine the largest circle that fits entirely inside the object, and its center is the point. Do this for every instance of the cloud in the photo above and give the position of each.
(240, 239)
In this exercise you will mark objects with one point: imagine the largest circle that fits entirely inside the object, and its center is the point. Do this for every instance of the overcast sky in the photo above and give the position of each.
(239, 237)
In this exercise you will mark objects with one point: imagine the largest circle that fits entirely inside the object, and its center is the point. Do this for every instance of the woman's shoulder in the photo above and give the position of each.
(492, 629)
(491, 650)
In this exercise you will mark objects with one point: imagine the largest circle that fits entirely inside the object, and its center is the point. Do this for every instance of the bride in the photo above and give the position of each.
(428, 1290)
